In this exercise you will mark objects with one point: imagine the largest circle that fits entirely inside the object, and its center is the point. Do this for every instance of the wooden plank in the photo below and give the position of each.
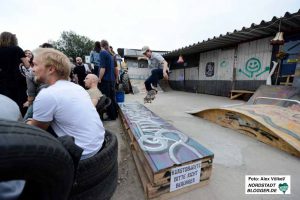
(235, 96)
(239, 93)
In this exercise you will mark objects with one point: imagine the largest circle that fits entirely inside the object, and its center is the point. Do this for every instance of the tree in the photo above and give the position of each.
(73, 45)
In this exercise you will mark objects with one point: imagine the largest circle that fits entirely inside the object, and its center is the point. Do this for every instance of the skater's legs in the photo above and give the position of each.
(156, 75)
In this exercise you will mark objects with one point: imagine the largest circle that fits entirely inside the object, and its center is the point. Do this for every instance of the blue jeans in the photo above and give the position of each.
(156, 75)
(108, 88)
(29, 113)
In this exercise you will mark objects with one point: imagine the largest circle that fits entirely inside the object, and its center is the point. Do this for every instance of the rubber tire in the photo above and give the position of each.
(92, 170)
(103, 190)
(31, 154)
(125, 83)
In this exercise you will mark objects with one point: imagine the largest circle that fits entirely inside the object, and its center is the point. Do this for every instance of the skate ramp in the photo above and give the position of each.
(164, 85)
(272, 121)
(281, 92)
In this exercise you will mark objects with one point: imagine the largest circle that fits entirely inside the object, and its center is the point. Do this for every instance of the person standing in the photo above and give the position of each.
(12, 82)
(80, 71)
(95, 57)
(107, 78)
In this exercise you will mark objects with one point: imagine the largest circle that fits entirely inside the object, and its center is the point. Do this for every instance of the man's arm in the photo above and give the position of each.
(117, 74)
(142, 58)
(42, 125)
(165, 70)
(101, 74)
(95, 101)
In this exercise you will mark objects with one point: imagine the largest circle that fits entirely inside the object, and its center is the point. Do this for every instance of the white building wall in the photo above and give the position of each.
(223, 61)
(205, 58)
(177, 75)
(253, 60)
(225, 64)
(192, 73)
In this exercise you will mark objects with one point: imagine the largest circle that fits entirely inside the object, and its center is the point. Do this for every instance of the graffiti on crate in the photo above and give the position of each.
(253, 68)
(155, 135)
(224, 63)
(210, 69)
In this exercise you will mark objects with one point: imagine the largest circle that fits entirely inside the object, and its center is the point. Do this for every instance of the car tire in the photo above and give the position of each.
(31, 154)
(103, 190)
(92, 170)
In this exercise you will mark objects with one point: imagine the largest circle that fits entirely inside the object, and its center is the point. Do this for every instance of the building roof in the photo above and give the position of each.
(288, 23)
(134, 53)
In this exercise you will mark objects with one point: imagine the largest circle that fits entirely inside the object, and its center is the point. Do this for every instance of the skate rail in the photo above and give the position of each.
(277, 99)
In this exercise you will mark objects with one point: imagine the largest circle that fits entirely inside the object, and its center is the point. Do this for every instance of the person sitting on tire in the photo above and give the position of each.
(65, 106)
(91, 83)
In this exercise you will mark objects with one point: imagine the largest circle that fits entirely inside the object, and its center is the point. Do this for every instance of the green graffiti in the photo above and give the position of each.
(253, 65)
(224, 63)
(267, 68)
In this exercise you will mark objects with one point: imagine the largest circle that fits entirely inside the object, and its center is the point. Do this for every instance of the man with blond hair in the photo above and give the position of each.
(91, 82)
(64, 105)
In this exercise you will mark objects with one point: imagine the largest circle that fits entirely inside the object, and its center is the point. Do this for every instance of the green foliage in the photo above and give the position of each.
(73, 45)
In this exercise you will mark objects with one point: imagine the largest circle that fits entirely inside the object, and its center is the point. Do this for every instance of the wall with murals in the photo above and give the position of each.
(216, 65)
(253, 60)
(244, 67)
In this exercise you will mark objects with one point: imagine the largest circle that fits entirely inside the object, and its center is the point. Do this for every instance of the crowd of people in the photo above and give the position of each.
(57, 95)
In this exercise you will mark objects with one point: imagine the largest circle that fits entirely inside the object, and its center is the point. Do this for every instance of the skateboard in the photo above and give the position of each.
(150, 96)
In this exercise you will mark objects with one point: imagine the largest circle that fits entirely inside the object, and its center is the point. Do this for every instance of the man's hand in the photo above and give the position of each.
(26, 104)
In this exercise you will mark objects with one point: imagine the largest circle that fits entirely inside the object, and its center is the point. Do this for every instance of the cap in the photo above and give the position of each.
(144, 49)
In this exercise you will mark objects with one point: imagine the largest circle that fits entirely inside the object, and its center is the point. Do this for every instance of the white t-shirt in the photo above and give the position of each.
(71, 112)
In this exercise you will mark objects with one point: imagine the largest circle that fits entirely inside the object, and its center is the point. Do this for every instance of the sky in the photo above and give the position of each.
(160, 24)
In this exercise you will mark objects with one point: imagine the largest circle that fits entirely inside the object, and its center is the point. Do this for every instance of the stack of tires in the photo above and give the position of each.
(97, 177)
(31, 154)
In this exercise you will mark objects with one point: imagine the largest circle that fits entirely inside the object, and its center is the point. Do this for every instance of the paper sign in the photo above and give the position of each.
(185, 176)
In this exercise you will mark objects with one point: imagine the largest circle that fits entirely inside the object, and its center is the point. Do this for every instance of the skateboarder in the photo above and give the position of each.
(159, 71)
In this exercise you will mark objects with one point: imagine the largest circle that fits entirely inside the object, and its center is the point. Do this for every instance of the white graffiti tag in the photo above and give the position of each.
(153, 134)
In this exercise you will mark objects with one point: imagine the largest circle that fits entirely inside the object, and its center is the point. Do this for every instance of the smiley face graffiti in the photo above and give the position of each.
(253, 65)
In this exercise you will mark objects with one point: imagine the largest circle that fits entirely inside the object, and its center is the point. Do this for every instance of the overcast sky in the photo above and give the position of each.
(160, 24)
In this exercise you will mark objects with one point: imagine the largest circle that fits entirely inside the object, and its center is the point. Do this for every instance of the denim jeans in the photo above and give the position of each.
(108, 88)
(156, 75)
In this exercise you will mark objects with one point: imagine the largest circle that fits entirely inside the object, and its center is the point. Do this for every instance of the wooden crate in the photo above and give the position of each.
(238, 93)
(156, 182)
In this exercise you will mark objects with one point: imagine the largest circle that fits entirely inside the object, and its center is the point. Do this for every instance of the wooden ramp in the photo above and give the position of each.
(271, 124)
(158, 149)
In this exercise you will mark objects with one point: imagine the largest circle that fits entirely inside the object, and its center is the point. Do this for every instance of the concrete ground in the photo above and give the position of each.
(236, 155)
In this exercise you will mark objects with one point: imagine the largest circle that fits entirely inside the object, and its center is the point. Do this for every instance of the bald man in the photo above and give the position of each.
(91, 82)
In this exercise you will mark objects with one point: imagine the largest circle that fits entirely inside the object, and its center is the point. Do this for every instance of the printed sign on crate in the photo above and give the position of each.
(184, 176)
